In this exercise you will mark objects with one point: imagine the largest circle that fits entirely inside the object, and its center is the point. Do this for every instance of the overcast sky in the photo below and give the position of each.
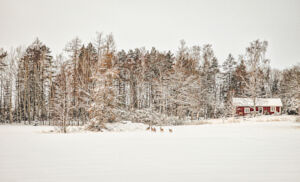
(228, 25)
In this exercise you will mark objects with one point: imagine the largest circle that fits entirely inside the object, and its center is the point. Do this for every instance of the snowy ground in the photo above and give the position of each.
(246, 151)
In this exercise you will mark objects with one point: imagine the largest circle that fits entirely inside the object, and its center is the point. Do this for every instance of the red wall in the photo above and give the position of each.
(277, 109)
(241, 110)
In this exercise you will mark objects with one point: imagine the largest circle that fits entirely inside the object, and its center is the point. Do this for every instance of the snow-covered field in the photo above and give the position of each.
(245, 151)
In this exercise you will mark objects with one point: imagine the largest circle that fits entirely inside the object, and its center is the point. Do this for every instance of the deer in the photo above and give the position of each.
(170, 130)
(153, 129)
(161, 129)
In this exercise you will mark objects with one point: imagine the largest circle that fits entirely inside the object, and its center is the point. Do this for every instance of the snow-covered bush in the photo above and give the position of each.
(148, 116)
(142, 116)
(125, 126)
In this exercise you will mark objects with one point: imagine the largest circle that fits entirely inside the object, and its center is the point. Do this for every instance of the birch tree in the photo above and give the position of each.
(255, 59)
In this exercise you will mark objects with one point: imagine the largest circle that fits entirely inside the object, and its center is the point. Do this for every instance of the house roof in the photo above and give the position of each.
(259, 102)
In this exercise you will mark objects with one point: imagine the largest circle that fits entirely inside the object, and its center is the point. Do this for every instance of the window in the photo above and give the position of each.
(247, 110)
(260, 110)
(273, 109)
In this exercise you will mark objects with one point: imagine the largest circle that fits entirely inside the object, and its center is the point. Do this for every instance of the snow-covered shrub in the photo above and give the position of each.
(144, 116)
(125, 126)
(172, 120)
(148, 116)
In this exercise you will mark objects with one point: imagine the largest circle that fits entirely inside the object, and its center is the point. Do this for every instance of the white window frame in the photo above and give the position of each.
(247, 110)
(260, 109)
(273, 109)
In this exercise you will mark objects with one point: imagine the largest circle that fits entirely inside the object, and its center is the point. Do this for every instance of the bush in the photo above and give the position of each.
(148, 116)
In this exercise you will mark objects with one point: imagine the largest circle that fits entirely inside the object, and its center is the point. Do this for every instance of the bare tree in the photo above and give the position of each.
(255, 60)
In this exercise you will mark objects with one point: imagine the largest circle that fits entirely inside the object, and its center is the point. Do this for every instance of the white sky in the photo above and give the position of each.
(228, 25)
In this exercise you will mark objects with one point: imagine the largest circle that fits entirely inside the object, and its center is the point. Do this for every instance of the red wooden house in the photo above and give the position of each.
(268, 106)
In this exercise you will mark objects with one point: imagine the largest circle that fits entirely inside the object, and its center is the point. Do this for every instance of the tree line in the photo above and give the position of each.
(94, 83)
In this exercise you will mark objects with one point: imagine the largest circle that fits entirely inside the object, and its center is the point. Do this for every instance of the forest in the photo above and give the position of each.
(92, 84)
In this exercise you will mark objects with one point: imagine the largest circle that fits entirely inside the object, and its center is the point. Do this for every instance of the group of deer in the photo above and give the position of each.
(153, 129)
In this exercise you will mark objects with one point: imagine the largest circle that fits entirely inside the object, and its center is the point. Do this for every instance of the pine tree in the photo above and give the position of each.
(73, 47)
(103, 101)
(209, 71)
(240, 79)
(32, 76)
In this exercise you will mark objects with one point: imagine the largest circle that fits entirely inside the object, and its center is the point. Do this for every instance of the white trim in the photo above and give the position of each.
(247, 110)
(273, 109)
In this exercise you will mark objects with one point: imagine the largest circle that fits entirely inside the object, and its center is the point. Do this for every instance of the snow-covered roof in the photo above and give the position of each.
(259, 102)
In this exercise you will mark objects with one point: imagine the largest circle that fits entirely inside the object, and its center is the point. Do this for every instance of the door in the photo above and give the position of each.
(260, 110)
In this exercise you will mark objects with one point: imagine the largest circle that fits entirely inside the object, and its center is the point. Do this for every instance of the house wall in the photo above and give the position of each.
(267, 110)
(278, 109)
(240, 110)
